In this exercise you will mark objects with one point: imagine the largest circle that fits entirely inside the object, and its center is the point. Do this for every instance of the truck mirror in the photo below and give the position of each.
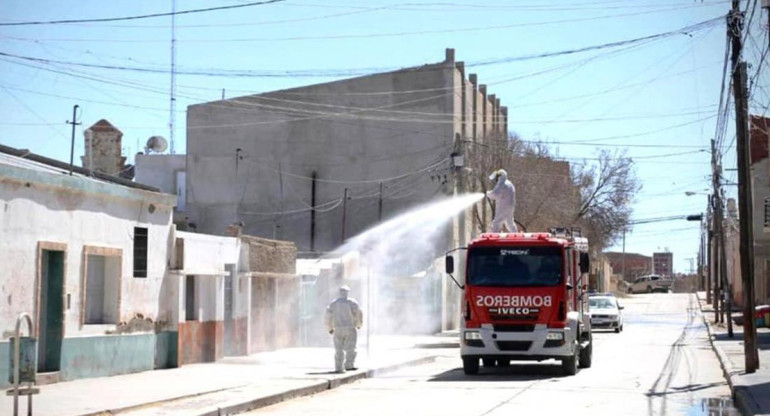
(585, 263)
(449, 264)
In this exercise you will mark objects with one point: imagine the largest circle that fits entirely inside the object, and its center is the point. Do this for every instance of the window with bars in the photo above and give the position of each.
(140, 252)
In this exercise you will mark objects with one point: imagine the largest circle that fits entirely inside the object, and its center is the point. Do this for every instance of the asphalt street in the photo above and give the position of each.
(661, 364)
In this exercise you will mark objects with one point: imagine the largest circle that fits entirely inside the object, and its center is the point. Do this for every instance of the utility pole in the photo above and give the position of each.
(709, 253)
(735, 31)
(379, 205)
(172, 92)
(344, 212)
(74, 123)
(716, 207)
(719, 230)
(312, 212)
(623, 266)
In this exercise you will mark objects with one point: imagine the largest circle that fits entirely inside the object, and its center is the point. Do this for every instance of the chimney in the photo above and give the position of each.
(450, 56)
(103, 149)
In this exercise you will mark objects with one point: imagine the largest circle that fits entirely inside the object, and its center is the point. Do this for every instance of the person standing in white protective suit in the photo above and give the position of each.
(343, 319)
(504, 194)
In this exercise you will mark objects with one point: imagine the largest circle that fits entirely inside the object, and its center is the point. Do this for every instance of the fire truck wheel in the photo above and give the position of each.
(570, 365)
(470, 366)
(488, 362)
(586, 354)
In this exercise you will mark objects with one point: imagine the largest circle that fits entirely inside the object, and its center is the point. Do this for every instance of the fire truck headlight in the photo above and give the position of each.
(556, 336)
(472, 335)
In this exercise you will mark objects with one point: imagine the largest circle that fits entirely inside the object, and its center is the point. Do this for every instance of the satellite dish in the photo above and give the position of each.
(156, 144)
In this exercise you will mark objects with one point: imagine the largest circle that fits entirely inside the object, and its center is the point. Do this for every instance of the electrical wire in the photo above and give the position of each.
(144, 16)
(305, 73)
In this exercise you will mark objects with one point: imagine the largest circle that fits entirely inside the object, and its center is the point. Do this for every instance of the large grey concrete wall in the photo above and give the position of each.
(251, 158)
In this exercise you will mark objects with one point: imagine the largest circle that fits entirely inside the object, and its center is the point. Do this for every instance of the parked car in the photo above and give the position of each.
(605, 312)
(651, 283)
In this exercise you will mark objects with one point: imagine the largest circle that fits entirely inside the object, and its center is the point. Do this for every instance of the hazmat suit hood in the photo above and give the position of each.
(499, 175)
(344, 291)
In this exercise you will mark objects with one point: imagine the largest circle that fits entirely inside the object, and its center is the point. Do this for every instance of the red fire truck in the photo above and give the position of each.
(524, 299)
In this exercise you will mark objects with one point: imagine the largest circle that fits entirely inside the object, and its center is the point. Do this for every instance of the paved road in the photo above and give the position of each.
(662, 364)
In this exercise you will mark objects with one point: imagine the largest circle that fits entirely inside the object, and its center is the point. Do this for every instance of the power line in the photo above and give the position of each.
(144, 16)
(347, 72)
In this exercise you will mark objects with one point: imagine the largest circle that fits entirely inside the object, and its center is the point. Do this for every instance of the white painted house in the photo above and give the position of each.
(86, 257)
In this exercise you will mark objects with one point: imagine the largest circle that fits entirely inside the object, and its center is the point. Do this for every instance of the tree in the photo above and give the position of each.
(545, 193)
(606, 191)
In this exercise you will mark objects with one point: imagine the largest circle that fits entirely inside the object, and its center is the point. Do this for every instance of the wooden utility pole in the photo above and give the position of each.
(721, 254)
(715, 205)
(312, 210)
(74, 123)
(709, 259)
(735, 31)
(623, 267)
(344, 212)
(379, 205)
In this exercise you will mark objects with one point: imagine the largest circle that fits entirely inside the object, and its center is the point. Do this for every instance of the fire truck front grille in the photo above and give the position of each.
(513, 345)
(513, 327)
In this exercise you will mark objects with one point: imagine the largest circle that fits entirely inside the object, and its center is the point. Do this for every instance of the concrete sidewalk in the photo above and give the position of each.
(750, 391)
(229, 386)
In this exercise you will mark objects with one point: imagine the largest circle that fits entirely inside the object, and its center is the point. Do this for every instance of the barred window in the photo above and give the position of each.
(140, 252)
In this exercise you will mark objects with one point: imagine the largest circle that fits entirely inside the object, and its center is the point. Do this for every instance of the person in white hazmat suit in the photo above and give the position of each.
(504, 193)
(343, 319)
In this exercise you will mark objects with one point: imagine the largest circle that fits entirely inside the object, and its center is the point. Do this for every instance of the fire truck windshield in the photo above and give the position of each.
(514, 266)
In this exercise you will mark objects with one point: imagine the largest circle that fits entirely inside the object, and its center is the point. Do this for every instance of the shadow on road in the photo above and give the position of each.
(514, 372)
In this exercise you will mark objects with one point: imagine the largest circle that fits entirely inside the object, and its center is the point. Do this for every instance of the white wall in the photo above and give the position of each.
(160, 171)
(208, 254)
(39, 206)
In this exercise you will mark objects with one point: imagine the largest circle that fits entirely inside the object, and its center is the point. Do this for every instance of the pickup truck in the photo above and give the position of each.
(650, 283)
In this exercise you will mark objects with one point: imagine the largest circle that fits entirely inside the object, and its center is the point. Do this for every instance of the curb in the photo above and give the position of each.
(259, 402)
(742, 398)
(245, 405)
(154, 403)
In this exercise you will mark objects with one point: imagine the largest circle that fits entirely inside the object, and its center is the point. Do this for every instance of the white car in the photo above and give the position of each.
(650, 283)
(605, 312)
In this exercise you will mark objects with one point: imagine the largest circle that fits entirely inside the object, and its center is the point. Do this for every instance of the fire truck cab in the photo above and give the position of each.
(524, 299)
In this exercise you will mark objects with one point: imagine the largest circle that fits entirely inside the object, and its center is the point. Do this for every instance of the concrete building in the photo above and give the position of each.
(636, 265)
(759, 135)
(112, 286)
(167, 173)
(663, 263)
(318, 164)
(86, 257)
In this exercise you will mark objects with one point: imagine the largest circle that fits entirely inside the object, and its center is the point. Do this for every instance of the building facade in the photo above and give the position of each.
(759, 135)
(319, 164)
(112, 287)
(663, 263)
(86, 258)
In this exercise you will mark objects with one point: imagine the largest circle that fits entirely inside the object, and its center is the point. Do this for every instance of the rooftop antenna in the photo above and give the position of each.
(172, 104)
(155, 144)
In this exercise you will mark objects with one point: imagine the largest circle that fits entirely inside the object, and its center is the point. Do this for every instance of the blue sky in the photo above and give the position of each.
(657, 99)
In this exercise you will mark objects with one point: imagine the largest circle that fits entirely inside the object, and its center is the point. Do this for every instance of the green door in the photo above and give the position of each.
(51, 311)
